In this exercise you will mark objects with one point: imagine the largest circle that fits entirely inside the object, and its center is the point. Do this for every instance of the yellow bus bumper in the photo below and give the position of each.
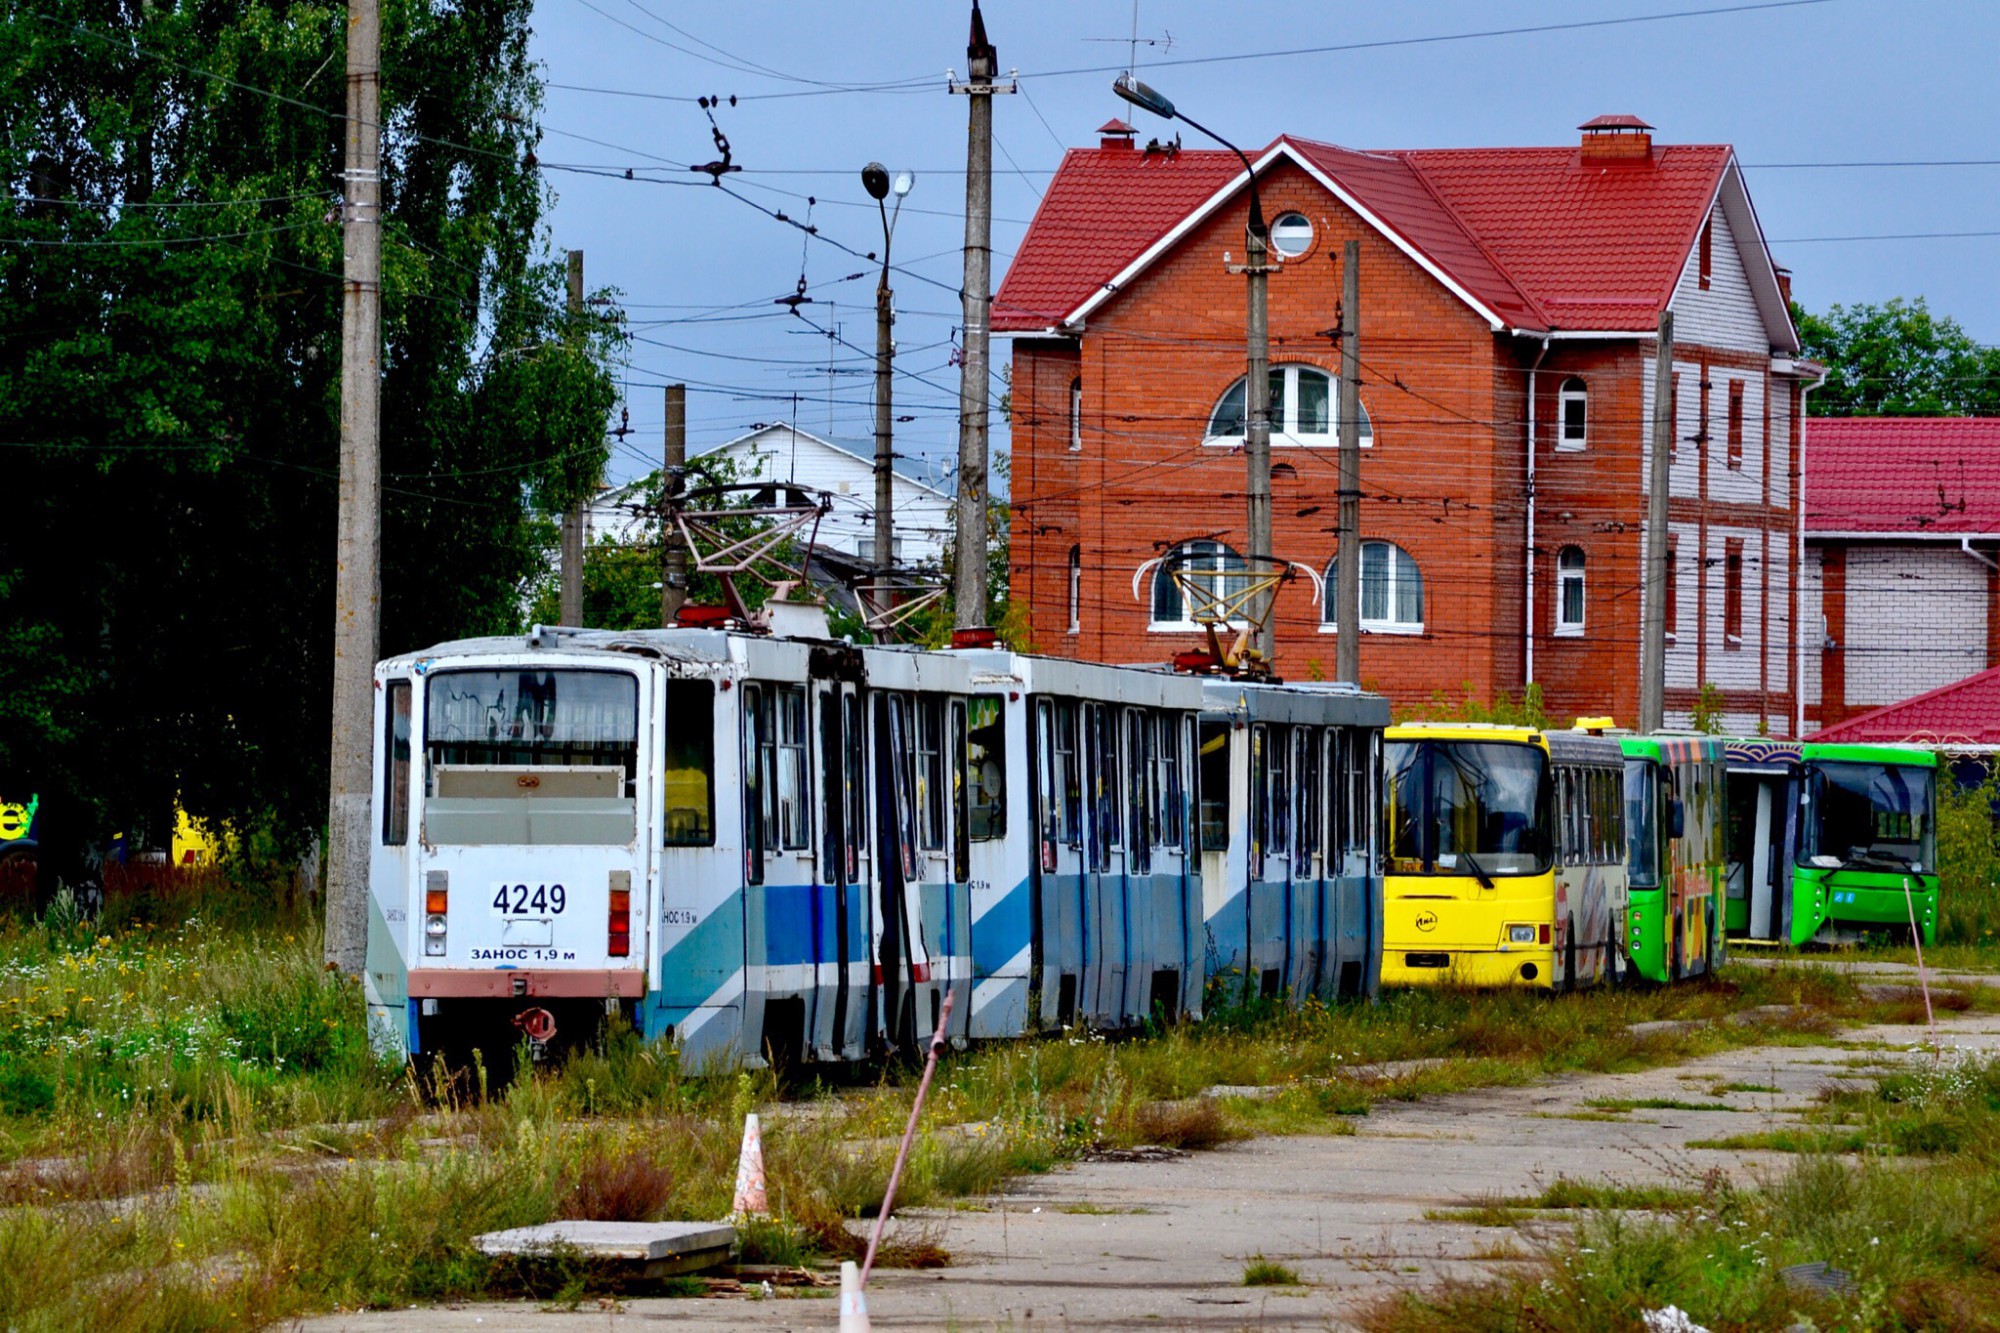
(1490, 968)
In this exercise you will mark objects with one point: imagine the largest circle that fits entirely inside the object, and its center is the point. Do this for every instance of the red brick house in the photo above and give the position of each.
(1901, 587)
(1509, 301)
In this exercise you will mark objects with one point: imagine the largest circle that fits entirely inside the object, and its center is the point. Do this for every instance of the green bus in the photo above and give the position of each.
(1675, 811)
(1767, 902)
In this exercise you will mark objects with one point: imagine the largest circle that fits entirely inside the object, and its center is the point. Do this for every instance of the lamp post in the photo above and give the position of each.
(1257, 373)
(875, 179)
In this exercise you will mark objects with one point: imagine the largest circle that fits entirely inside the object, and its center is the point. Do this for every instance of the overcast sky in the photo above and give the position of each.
(825, 87)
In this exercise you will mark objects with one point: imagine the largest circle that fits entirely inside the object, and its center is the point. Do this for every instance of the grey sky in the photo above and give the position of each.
(1834, 81)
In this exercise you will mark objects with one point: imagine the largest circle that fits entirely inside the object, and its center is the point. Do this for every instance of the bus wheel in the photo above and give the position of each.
(1569, 958)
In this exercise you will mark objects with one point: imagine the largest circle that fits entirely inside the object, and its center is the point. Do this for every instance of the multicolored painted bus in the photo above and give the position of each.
(1831, 844)
(1675, 810)
(1506, 857)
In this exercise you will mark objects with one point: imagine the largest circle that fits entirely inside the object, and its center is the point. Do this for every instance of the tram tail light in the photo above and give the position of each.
(618, 923)
(437, 886)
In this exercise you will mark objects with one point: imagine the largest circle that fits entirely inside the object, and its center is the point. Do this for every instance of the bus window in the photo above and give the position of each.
(1471, 807)
(1874, 815)
(1403, 773)
(1212, 780)
(930, 773)
(689, 764)
(396, 781)
(986, 766)
(1642, 848)
(790, 702)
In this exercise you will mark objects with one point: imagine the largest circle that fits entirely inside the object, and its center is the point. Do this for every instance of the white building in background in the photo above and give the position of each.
(782, 453)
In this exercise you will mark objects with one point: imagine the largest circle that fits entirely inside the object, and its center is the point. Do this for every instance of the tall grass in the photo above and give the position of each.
(1968, 848)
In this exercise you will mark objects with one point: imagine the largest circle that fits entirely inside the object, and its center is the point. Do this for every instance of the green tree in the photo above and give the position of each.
(170, 294)
(1897, 359)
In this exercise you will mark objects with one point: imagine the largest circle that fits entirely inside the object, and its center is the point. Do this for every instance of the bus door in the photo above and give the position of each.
(845, 923)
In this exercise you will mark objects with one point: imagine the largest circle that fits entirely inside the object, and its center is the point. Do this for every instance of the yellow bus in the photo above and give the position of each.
(1506, 857)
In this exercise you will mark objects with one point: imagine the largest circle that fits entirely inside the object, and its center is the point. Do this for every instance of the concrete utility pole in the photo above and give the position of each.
(358, 556)
(875, 180)
(1347, 575)
(673, 481)
(1653, 627)
(969, 574)
(573, 521)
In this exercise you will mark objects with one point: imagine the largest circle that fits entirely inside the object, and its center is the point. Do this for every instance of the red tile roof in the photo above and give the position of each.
(1902, 475)
(1965, 713)
(1538, 236)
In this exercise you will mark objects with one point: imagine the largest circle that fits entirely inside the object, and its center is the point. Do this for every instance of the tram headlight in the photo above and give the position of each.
(1520, 934)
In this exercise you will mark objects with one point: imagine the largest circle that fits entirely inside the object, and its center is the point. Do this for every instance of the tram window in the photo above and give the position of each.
(930, 774)
(1104, 767)
(1278, 798)
(688, 766)
(1048, 811)
(1306, 801)
(836, 866)
(1138, 789)
(986, 766)
(396, 780)
(1167, 777)
(753, 788)
(1260, 798)
(789, 702)
(961, 824)
(1361, 812)
(1212, 780)
(1069, 777)
(855, 785)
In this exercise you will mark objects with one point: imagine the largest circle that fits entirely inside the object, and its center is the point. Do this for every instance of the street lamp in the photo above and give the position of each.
(1257, 374)
(876, 180)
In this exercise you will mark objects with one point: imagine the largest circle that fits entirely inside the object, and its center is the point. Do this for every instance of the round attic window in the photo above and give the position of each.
(1291, 235)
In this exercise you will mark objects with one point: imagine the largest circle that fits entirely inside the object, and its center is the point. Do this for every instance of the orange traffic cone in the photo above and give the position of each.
(853, 1300)
(751, 1200)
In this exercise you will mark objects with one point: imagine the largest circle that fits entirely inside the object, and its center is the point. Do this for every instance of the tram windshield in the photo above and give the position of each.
(1873, 816)
(1467, 808)
(526, 756)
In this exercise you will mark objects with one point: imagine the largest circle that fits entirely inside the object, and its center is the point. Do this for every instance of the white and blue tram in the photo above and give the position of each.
(760, 846)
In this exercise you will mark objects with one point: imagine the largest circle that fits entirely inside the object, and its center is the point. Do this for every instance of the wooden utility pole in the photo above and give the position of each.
(673, 482)
(573, 521)
(358, 556)
(1347, 573)
(1653, 615)
(969, 572)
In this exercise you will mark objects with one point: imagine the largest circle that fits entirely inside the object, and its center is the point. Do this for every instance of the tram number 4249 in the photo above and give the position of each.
(529, 899)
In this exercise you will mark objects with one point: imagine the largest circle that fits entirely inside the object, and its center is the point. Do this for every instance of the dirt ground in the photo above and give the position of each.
(1163, 1244)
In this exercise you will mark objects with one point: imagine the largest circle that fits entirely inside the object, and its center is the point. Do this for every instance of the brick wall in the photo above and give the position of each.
(1445, 478)
(1902, 619)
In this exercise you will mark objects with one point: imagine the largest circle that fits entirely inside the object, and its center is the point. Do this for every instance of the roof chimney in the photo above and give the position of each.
(1617, 139)
(1116, 134)
(1784, 284)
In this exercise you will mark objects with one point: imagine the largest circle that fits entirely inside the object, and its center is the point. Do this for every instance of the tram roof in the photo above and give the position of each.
(1313, 704)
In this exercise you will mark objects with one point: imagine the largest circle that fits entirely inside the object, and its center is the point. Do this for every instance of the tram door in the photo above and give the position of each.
(1058, 928)
(1310, 916)
(843, 929)
(1104, 889)
(905, 877)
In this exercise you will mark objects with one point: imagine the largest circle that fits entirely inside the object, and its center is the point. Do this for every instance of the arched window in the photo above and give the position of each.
(1569, 590)
(1304, 403)
(1215, 567)
(1076, 415)
(1392, 591)
(1572, 415)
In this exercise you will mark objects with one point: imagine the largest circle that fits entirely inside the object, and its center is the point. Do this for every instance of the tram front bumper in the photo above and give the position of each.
(469, 983)
(1469, 967)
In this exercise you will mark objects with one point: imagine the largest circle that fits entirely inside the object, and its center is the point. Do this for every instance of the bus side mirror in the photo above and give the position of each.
(1676, 819)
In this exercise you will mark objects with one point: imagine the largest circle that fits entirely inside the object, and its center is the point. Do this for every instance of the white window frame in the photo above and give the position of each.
(1221, 554)
(1329, 609)
(1284, 433)
(1564, 397)
(1076, 589)
(1076, 415)
(1565, 627)
(1278, 222)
